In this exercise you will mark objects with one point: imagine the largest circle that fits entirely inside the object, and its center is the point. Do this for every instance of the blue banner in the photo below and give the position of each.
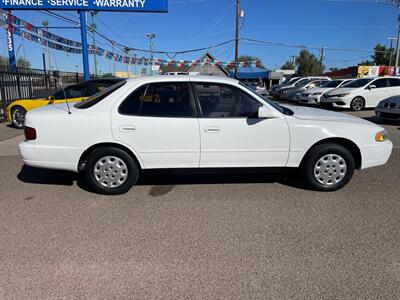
(11, 49)
(91, 5)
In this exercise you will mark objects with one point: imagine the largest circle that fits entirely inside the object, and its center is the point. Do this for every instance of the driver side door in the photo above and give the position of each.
(232, 135)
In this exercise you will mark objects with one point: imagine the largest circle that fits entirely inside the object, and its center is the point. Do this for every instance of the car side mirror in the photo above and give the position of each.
(265, 113)
(51, 98)
(372, 86)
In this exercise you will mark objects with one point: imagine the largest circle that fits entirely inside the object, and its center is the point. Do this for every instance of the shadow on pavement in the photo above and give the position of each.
(168, 177)
(46, 176)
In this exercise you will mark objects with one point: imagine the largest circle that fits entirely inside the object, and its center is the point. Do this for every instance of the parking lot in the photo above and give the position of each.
(204, 236)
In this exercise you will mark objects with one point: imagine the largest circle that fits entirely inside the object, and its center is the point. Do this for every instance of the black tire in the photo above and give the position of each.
(357, 104)
(310, 171)
(18, 117)
(128, 164)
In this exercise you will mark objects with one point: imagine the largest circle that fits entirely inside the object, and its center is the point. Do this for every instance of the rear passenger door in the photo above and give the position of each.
(378, 93)
(394, 89)
(158, 121)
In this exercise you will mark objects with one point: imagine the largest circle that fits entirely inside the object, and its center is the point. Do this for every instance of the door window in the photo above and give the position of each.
(380, 83)
(393, 82)
(224, 101)
(159, 100)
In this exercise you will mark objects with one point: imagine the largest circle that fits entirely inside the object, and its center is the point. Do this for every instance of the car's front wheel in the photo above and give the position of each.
(328, 167)
(357, 104)
(110, 171)
(18, 117)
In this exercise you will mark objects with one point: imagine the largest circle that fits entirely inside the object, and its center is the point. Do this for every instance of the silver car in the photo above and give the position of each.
(389, 109)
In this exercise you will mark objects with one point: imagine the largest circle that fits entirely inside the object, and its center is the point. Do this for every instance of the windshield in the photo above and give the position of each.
(302, 82)
(293, 80)
(332, 84)
(359, 83)
(96, 98)
(278, 107)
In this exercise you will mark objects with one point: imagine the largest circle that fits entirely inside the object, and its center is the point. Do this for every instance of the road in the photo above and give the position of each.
(219, 236)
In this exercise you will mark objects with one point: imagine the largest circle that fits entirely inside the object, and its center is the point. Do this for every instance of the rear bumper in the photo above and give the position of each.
(377, 155)
(50, 157)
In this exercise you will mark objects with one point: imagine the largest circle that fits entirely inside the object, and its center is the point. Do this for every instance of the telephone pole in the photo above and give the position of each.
(396, 4)
(391, 39)
(237, 37)
(46, 25)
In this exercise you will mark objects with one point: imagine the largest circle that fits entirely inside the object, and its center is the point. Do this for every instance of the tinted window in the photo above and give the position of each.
(96, 87)
(159, 100)
(91, 101)
(380, 83)
(394, 82)
(224, 101)
(75, 91)
(358, 83)
(332, 84)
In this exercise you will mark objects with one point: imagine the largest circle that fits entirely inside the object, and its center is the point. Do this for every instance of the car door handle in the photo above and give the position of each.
(127, 128)
(212, 130)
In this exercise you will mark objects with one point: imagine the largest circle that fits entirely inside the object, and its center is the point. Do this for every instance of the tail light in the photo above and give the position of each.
(30, 133)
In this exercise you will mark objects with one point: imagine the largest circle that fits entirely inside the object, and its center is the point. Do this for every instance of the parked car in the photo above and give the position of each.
(295, 94)
(197, 122)
(16, 111)
(362, 93)
(283, 91)
(274, 89)
(313, 96)
(389, 109)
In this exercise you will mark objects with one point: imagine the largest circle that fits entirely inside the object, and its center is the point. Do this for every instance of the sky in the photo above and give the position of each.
(190, 24)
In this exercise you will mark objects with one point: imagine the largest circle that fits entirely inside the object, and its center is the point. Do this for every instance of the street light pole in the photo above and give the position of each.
(113, 50)
(237, 37)
(151, 36)
(46, 25)
(93, 28)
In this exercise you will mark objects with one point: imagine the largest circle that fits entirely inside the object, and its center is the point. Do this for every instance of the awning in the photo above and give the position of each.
(250, 73)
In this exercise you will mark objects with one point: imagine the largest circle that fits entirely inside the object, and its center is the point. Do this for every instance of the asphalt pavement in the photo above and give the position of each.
(204, 236)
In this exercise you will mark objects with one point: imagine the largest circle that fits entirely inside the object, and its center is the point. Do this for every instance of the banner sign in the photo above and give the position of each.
(19, 23)
(377, 71)
(88, 5)
(10, 48)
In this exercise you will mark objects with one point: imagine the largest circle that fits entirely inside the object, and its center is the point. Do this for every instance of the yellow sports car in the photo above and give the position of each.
(17, 109)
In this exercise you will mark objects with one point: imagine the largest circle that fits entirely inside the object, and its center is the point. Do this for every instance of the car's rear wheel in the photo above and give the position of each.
(328, 167)
(110, 171)
(18, 117)
(357, 104)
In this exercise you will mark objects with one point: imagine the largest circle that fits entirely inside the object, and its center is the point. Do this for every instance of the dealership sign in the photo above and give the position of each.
(91, 5)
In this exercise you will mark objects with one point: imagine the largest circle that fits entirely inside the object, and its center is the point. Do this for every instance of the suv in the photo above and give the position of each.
(362, 93)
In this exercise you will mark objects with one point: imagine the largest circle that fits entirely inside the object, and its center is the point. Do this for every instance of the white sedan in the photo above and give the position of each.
(313, 96)
(192, 122)
(362, 93)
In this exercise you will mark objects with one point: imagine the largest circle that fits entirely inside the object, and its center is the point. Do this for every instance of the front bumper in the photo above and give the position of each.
(388, 113)
(335, 101)
(376, 155)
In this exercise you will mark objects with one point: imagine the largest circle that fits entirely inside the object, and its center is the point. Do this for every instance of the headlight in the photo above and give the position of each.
(381, 136)
(285, 92)
(317, 94)
(342, 95)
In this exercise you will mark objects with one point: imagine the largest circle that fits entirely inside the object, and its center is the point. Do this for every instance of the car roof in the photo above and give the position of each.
(174, 78)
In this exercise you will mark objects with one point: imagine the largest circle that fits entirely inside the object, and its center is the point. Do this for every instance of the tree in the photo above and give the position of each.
(289, 65)
(21, 63)
(381, 57)
(308, 64)
(250, 58)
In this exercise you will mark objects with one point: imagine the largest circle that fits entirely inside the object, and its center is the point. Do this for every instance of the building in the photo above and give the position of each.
(211, 70)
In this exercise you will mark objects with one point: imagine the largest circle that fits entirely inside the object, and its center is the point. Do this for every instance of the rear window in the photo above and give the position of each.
(93, 100)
